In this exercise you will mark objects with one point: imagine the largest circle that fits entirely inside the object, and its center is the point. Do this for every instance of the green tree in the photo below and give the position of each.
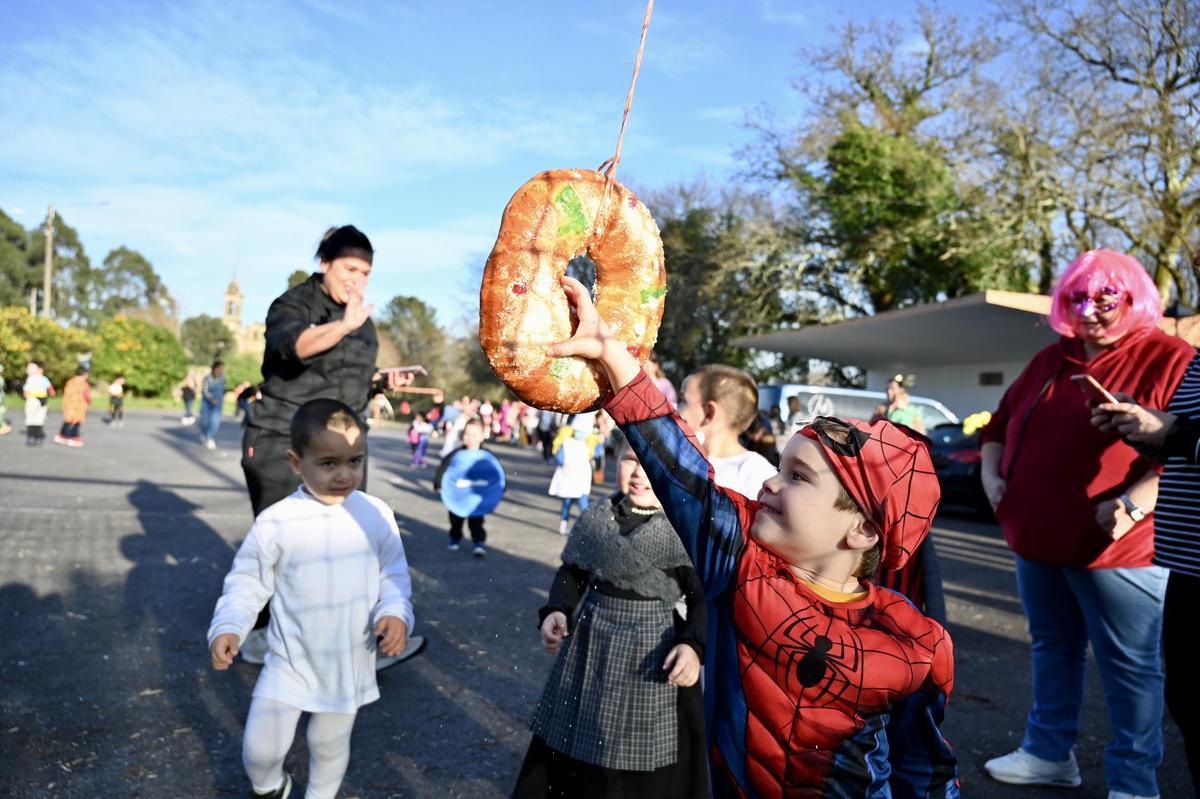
(724, 280)
(204, 337)
(151, 358)
(242, 369)
(24, 338)
(413, 328)
(297, 277)
(74, 281)
(880, 214)
(127, 282)
(16, 275)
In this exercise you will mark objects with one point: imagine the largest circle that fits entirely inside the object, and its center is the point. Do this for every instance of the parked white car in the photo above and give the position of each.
(844, 403)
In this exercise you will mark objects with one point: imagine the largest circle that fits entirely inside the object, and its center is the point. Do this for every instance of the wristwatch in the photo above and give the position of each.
(1135, 513)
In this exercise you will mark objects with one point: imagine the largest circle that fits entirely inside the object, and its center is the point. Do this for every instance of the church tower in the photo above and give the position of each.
(233, 307)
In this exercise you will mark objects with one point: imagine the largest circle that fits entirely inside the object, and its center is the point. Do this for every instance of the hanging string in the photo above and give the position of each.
(609, 167)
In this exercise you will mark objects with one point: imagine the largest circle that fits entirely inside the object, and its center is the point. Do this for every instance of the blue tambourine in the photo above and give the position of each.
(473, 484)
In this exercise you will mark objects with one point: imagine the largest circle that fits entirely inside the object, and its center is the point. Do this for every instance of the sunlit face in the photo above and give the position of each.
(893, 391)
(32, 369)
(344, 277)
(472, 436)
(798, 520)
(332, 464)
(691, 407)
(1094, 314)
(633, 483)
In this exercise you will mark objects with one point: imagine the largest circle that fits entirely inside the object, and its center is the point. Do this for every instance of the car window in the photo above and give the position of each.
(932, 416)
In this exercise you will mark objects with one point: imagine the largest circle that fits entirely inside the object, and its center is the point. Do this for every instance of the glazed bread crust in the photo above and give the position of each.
(522, 308)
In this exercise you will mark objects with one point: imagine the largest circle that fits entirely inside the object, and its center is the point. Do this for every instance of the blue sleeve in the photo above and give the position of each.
(707, 519)
(923, 764)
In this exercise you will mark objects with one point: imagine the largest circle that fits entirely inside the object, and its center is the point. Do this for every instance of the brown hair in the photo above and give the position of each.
(732, 389)
(870, 562)
(321, 414)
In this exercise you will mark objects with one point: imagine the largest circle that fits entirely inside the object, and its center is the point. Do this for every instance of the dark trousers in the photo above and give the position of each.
(1182, 690)
(35, 433)
(547, 439)
(70, 429)
(269, 476)
(474, 524)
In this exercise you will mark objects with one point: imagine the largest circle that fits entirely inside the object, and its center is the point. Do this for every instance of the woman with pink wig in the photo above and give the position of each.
(1076, 507)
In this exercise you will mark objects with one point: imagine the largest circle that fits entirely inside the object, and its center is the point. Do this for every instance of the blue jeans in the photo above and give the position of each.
(1120, 612)
(210, 419)
(566, 506)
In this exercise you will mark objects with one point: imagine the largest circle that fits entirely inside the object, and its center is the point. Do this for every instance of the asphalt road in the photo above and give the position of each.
(111, 557)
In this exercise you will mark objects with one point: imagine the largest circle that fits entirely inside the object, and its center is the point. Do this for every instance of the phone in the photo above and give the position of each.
(1092, 390)
(420, 370)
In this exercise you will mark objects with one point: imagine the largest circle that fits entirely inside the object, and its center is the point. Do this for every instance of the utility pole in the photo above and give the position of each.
(49, 261)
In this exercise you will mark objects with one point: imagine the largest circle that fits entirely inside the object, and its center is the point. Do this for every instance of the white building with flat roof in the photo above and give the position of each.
(963, 352)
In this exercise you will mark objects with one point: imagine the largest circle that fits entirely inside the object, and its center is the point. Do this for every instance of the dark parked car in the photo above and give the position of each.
(957, 461)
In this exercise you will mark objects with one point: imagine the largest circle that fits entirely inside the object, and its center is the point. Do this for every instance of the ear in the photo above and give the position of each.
(324, 266)
(294, 460)
(861, 535)
(710, 413)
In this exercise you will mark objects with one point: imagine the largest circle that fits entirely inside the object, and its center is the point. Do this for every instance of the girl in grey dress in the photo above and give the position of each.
(621, 713)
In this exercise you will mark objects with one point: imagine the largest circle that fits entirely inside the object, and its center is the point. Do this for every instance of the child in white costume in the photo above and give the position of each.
(330, 561)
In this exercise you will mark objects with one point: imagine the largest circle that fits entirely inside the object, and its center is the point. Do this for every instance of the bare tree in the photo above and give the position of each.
(1126, 74)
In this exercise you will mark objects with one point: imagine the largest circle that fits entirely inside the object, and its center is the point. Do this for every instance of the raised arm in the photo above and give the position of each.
(709, 520)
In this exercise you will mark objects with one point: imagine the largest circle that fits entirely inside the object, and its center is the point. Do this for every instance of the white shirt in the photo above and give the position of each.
(330, 573)
(744, 473)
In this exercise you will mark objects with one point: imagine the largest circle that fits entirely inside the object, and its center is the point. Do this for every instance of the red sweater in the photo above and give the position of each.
(1057, 466)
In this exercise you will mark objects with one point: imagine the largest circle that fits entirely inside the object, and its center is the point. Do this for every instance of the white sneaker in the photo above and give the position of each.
(453, 546)
(479, 551)
(1123, 795)
(1021, 768)
(210, 444)
(254, 648)
(564, 527)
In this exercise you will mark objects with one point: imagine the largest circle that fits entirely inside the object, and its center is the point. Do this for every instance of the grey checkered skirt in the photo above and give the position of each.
(607, 700)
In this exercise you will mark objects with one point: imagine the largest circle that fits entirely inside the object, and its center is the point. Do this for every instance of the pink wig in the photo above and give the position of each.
(1097, 270)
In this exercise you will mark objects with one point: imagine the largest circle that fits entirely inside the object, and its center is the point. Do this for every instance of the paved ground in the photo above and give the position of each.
(111, 558)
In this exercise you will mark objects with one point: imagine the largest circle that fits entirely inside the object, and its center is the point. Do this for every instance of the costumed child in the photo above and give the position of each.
(621, 713)
(37, 391)
(418, 436)
(77, 396)
(116, 402)
(817, 682)
(572, 481)
(329, 560)
(471, 482)
(719, 402)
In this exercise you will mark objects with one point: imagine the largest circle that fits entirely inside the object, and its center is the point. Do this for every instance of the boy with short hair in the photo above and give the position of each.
(719, 403)
(819, 683)
(472, 441)
(330, 561)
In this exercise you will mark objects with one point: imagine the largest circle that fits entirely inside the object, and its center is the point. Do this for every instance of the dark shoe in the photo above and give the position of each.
(281, 792)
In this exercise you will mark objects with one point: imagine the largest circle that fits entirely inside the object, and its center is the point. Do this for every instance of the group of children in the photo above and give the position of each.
(816, 680)
(76, 397)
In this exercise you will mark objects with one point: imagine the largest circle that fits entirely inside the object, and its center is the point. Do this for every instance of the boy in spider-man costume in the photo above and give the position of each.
(819, 684)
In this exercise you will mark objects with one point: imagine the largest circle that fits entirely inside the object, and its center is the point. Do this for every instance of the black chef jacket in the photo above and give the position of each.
(343, 372)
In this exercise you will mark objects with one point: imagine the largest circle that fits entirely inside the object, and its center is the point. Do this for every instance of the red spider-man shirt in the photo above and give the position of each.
(804, 697)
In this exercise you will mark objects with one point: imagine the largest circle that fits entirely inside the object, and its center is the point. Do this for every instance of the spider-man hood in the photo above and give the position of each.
(886, 468)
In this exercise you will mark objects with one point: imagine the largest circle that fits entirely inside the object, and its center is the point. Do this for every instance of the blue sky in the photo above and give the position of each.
(223, 138)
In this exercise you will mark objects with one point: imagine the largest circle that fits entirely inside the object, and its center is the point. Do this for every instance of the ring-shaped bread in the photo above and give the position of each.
(522, 308)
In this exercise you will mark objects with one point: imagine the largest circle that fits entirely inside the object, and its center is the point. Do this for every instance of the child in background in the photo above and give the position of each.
(719, 403)
(37, 392)
(572, 480)
(77, 396)
(418, 436)
(626, 652)
(329, 560)
(5, 427)
(818, 682)
(116, 402)
(472, 440)
(212, 402)
(188, 394)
